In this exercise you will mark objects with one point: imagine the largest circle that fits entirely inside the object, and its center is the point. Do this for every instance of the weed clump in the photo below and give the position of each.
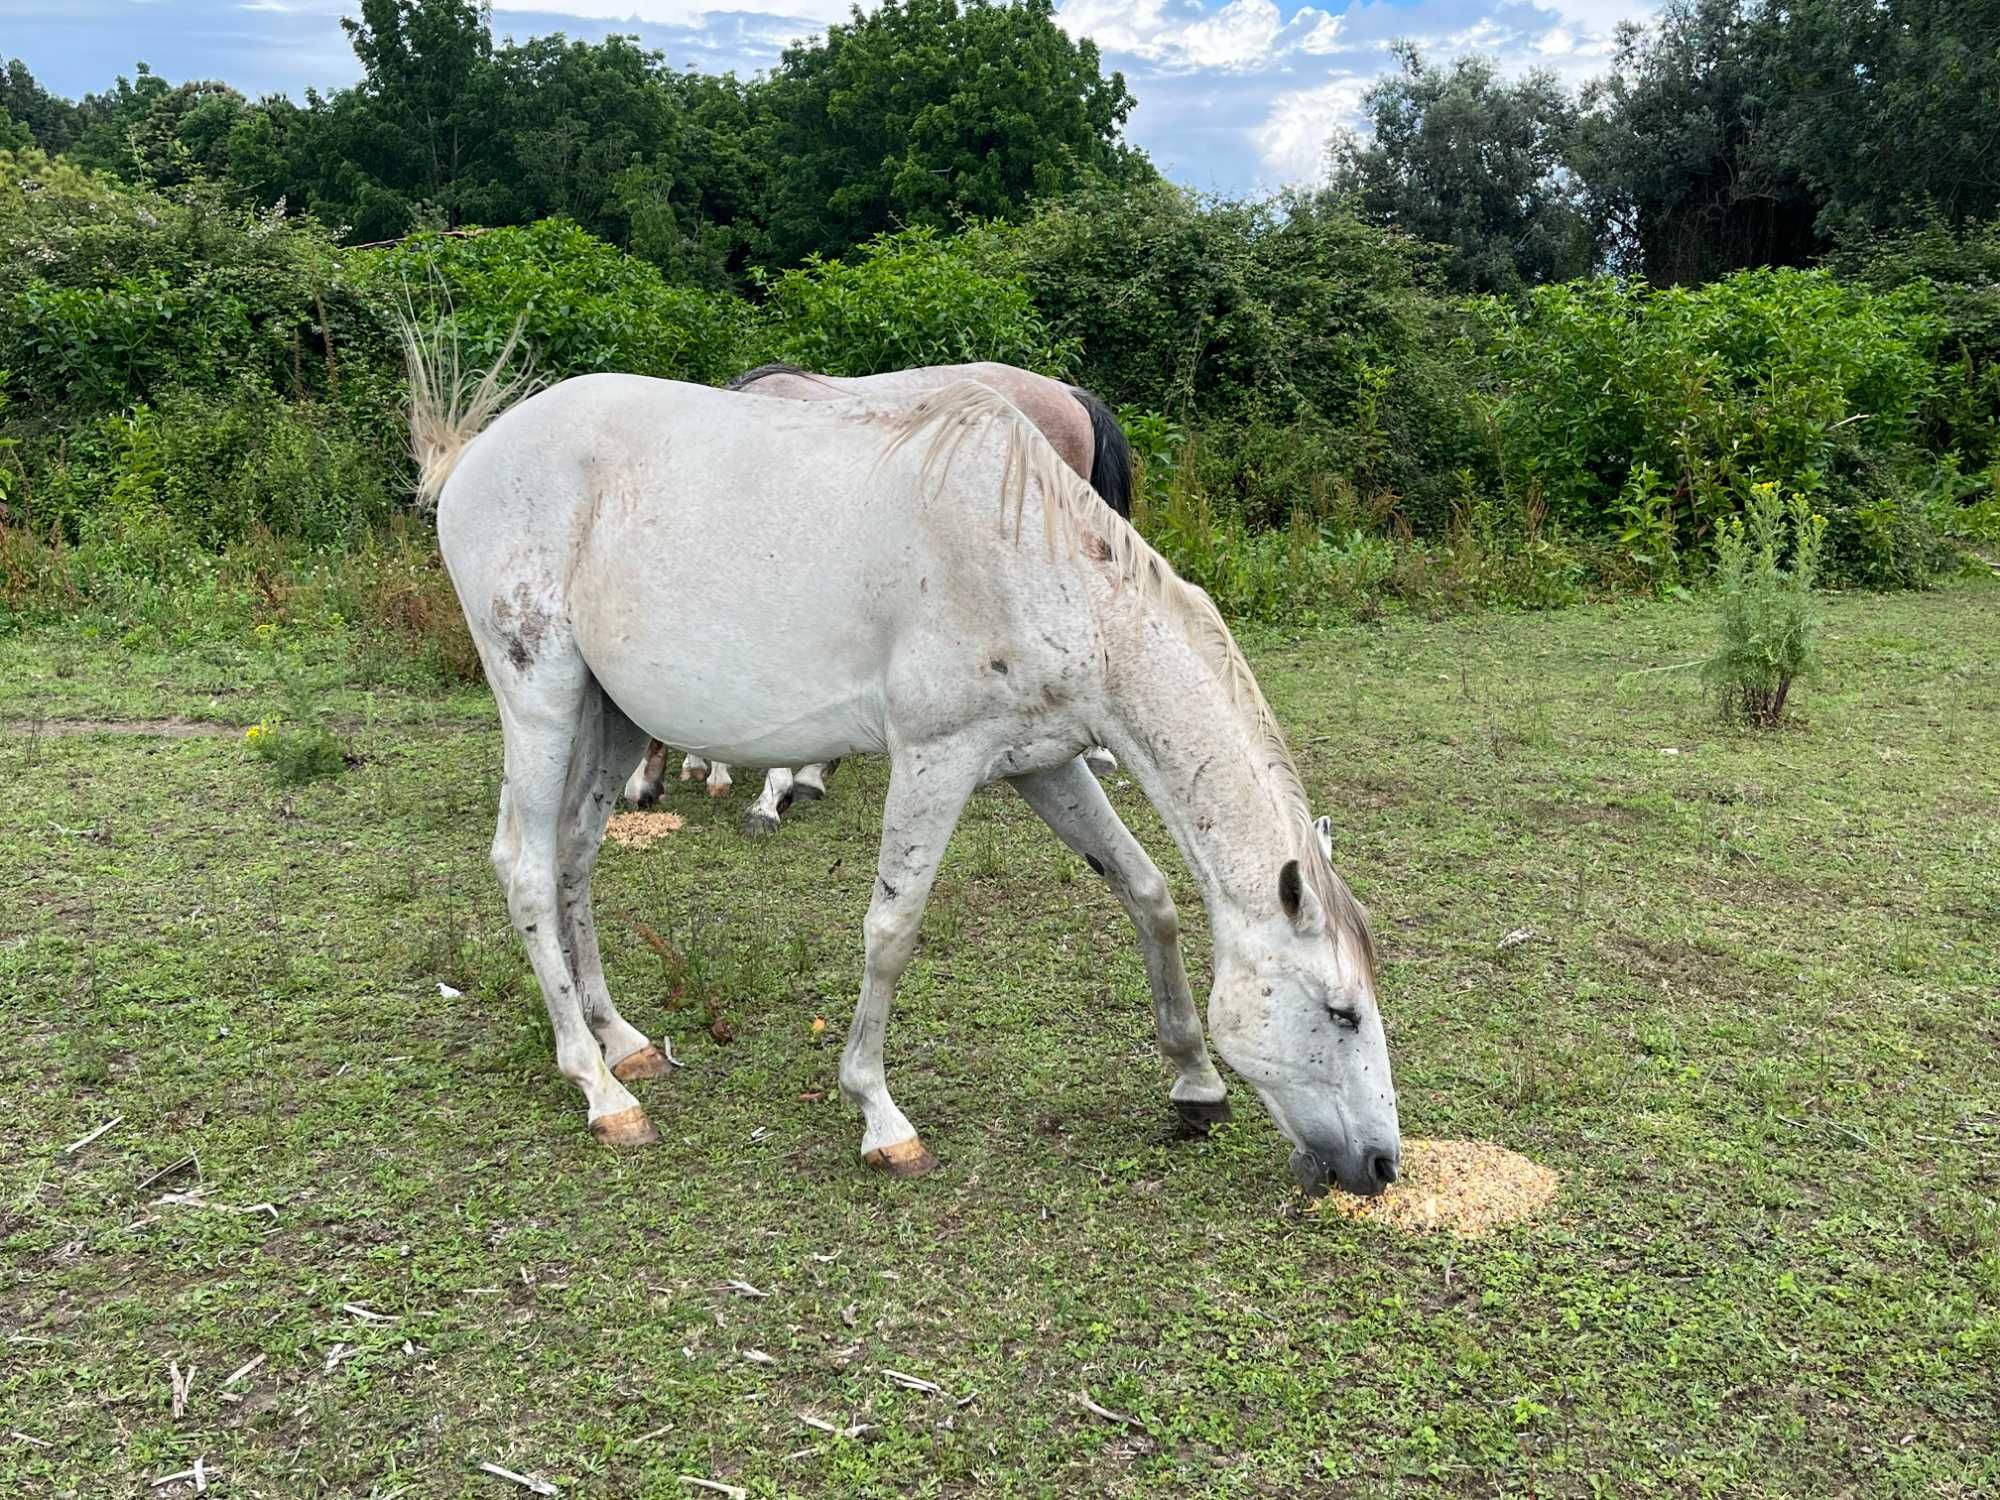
(298, 746)
(1769, 619)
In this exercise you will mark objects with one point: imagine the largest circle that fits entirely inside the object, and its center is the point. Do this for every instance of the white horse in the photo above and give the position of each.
(1084, 431)
(934, 584)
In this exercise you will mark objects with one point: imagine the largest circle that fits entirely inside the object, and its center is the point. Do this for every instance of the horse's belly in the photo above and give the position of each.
(739, 658)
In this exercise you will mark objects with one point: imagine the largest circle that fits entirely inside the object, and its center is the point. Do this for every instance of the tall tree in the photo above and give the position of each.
(1681, 146)
(1890, 109)
(1461, 158)
(926, 110)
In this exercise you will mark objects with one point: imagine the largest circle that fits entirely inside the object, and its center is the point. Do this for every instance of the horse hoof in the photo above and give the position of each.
(720, 791)
(805, 791)
(688, 774)
(758, 824)
(648, 797)
(628, 1127)
(1198, 1118)
(647, 1062)
(911, 1158)
(1101, 761)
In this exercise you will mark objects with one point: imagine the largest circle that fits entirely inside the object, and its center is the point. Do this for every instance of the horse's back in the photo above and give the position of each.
(745, 578)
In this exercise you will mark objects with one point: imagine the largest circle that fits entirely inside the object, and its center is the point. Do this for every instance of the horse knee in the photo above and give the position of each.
(1153, 907)
(891, 934)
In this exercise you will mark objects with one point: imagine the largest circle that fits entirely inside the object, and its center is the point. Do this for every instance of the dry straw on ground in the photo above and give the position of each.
(635, 830)
(1467, 1187)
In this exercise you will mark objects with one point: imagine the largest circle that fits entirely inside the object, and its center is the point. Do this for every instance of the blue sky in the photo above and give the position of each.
(1234, 95)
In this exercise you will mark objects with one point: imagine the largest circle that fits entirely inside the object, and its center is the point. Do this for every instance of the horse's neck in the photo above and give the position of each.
(1207, 771)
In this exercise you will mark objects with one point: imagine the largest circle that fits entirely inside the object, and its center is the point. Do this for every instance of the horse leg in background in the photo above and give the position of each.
(1100, 760)
(692, 767)
(928, 789)
(650, 777)
(718, 779)
(764, 813)
(1071, 802)
(545, 717)
(605, 741)
(809, 782)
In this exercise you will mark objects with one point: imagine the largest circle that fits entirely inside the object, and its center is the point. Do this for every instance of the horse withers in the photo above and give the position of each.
(944, 590)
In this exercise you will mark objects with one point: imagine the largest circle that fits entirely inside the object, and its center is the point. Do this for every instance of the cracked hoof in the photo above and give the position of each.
(1198, 1118)
(911, 1158)
(758, 824)
(628, 1127)
(647, 1062)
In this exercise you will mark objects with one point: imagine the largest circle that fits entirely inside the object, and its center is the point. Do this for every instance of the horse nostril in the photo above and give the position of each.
(1382, 1169)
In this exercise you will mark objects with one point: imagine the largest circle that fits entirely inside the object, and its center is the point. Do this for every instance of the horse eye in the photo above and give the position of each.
(1347, 1015)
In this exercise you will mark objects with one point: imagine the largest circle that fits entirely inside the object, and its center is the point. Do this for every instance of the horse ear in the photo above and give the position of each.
(1323, 826)
(1301, 906)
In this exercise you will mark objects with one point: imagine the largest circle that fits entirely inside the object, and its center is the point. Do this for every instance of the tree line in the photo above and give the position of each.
(1728, 134)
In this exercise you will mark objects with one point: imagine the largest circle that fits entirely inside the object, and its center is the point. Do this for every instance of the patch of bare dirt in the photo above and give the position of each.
(166, 729)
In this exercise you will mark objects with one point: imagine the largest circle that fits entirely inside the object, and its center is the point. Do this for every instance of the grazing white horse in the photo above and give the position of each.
(930, 583)
(1084, 431)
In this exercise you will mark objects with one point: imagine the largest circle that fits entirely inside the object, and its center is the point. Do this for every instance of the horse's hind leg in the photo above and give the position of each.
(544, 717)
(765, 812)
(1072, 803)
(606, 740)
(809, 782)
(650, 777)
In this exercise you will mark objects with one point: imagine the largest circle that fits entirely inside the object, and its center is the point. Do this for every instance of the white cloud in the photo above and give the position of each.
(1291, 141)
(811, 15)
(1239, 36)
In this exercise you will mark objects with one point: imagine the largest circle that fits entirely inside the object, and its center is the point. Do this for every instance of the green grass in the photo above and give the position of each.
(1756, 1032)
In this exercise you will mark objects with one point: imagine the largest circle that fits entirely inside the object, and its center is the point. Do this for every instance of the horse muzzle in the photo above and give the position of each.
(1364, 1170)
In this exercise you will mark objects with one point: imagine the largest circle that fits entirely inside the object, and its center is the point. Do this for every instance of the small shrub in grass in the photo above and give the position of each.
(299, 747)
(298, 753)
(1769, 619)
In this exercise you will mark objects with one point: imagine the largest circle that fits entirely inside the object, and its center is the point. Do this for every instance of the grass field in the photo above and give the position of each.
(1756, 1028)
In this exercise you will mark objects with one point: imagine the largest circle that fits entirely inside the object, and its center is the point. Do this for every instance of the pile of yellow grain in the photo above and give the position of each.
(1467, 1187)
(635, 830)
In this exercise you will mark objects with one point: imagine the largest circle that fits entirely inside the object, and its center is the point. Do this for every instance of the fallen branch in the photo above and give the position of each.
(244, 1371)
(198, 1474)
(915, 1382)
(181, 1384)
(820, 1424)
(169, 1170)
(734, 1492)
(198, 1198)
(367, 1315)
(525, 1481)
(84, 1140)
(1108, 1414)
(741, 1288)
(22, 1437)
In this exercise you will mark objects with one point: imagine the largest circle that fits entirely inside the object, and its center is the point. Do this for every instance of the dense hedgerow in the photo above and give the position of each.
(1319, 427)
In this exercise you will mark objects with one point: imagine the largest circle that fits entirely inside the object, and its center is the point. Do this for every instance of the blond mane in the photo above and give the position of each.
(1075, 521)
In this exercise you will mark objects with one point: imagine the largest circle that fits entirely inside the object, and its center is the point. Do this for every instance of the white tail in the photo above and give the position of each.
(445, 415)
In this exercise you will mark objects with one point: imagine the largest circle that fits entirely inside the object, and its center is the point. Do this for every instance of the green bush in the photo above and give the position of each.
(582, 305)
(1309, 348)
(1768, 617)
(906, 299)
(1652, 415)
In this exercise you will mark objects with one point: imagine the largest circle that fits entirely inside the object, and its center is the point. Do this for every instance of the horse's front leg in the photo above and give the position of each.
(1072, 803)
(718, 779)
(927, 791)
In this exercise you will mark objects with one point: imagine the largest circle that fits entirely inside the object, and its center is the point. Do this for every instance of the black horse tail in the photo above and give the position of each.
(1111, 453)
